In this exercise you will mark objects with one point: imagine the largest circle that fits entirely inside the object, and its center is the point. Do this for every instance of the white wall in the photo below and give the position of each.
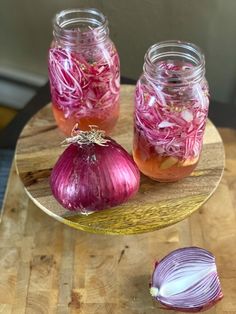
(25, 33)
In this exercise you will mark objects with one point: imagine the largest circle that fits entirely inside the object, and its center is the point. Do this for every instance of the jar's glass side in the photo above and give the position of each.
(169, 122)
(84, 79)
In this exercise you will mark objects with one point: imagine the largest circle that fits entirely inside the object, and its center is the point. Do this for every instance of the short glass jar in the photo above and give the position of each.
(171, 107)
(84, 71)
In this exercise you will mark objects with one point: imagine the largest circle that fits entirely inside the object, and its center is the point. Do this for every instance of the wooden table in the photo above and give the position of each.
(48, 267)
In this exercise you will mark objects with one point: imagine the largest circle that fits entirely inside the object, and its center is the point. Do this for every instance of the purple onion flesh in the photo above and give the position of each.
(186, 280)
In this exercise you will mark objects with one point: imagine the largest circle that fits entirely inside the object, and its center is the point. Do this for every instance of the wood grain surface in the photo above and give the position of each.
(50, 268)
(157, 205)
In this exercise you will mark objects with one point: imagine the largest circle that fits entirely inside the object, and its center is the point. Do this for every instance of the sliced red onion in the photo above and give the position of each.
(186, 280)
(93, 173)
(187, 115)
(174, 119)
(79, 84)
(165, 124)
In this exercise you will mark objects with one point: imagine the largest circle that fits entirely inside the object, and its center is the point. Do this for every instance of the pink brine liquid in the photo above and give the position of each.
(169, 124)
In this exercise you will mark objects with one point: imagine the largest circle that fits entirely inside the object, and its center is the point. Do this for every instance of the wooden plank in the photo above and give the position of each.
(48, 267)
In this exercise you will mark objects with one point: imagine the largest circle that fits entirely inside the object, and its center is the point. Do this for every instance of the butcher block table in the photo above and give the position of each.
(49, 267)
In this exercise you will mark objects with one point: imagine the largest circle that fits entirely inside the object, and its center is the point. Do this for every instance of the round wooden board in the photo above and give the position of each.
(157, 205)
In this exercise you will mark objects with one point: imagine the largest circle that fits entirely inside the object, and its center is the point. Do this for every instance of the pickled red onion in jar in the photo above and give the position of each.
(171, 107)
(84, 71)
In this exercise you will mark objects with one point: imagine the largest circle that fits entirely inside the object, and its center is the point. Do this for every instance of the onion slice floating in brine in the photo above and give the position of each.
(186, 280)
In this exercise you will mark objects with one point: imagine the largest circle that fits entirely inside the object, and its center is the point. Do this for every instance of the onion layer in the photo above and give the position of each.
(186, 280)
(93, 173)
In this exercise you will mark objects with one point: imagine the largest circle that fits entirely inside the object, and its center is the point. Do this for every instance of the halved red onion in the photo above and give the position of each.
(186, 280)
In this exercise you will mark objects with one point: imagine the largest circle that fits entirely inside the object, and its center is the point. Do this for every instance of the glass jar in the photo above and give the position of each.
(171, 107)
(84, 71)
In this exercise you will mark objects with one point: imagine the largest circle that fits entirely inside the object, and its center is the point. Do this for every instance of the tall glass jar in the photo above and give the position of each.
(84, 71)
(171, 107)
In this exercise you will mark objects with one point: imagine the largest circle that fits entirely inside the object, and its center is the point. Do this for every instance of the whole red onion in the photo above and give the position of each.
(93, 173)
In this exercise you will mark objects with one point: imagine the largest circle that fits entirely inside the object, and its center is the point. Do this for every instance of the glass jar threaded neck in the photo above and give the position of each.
(174, 63)
(86, 26)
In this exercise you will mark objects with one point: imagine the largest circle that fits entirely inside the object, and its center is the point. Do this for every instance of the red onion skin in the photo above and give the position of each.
(88, 178)
(196, 310)
(182, 309)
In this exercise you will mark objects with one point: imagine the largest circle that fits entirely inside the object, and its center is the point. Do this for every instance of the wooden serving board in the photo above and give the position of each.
(50, 268)
(157, 205)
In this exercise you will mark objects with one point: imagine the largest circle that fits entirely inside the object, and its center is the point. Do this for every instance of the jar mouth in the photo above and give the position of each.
(188, 58)
(80, 24)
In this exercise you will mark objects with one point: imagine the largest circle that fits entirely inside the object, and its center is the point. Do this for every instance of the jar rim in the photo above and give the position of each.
(62, 14)
(66, 24)
(175, 48)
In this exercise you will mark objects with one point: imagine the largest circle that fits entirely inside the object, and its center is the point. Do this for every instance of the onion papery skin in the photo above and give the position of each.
(89, 177)
(195, 269)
